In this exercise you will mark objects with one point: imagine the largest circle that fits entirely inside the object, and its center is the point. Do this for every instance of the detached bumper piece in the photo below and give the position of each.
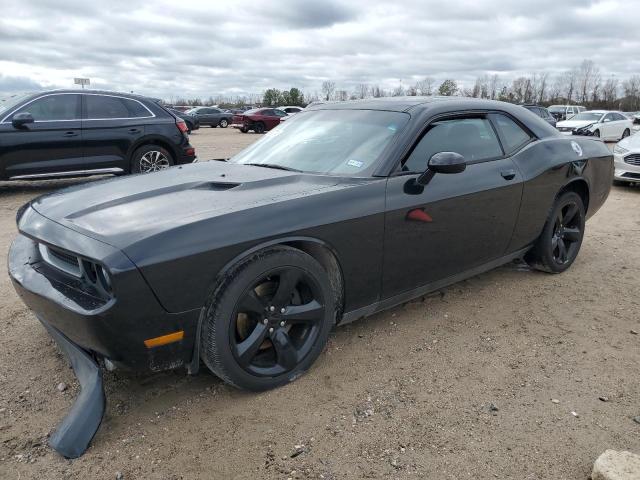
(73, 435)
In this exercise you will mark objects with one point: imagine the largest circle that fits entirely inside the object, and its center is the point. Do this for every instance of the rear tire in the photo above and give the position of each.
(561, 238)
(259, 127)
(244, 130)
(268, 320)
(150, 158)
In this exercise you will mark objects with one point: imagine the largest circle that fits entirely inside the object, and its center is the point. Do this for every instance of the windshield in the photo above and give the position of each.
(327, 141)
(556, 108)
(587, 116)
(10, 101)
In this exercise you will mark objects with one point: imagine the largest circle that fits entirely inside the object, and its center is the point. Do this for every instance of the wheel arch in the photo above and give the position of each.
(153, 141)
(320, 250)
(581, 187)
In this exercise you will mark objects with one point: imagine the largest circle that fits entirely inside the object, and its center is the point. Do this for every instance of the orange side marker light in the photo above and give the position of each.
(164, 339)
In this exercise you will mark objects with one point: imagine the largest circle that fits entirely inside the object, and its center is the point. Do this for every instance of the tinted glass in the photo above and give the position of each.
(609, 117)
(343, 142)
(511, 134)
(10, 101)
(473, 138)
(53, 107)
(590, 116)
(102, 106)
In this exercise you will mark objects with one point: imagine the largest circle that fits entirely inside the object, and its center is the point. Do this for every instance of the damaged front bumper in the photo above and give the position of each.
(73, 435)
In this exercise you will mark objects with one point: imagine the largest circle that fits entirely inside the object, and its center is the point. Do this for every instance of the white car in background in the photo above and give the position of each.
(626, 160)
(291, 110)
(597, 123)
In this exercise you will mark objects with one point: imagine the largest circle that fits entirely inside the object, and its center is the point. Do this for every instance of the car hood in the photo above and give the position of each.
(125, 210)
(631, 143)
(575, 123)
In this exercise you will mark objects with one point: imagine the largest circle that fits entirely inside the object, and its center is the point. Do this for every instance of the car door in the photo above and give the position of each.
(215, 115)
(281, 114)
(50, 145)
(111, 126)
(456, 222)
(269, 118)
(609, 127)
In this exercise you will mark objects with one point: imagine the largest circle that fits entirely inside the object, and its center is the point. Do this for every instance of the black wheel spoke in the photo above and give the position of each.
(571, 213)
(307, 313)
(571, 234)
(247, 349)
(252, 303)
(285, 351)
(286, 285)
(562, 251)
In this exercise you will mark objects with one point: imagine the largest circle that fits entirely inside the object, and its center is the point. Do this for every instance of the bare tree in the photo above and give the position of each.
(542, 87)
(424, 87)
(328, 87)
(587, 73)
(493, 86)
(362, 90)
(398, 91)
(610, 92)
(570, 81)
(377, 92)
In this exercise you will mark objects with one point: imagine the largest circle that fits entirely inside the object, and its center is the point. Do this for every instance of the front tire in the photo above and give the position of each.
(596, 133)
(560, 241)
(150, 158)
(626, 133)
(268, 320)
(224, 123)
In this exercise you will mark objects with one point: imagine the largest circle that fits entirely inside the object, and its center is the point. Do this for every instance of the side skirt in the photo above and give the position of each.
(428, 288)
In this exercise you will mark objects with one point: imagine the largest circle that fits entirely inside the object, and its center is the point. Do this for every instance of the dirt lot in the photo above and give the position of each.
(457, 385)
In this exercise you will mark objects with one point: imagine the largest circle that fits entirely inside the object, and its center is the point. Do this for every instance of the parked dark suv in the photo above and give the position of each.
(85, 132)
(543, 113)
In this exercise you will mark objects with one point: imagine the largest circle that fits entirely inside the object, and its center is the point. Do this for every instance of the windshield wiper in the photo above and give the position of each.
(273, 165)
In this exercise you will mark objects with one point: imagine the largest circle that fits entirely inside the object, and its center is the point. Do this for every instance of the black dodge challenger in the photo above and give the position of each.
(342, 211)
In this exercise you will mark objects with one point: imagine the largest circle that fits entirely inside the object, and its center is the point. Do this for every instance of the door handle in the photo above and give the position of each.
(508, 174)
(134, 130)
(70, 134)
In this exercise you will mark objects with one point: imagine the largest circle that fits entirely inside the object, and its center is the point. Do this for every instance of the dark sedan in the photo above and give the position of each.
(343, 211)
(191, 121)
(85, 132)
(543, 113)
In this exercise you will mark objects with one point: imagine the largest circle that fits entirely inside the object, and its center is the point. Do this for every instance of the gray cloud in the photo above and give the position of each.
(165, 48)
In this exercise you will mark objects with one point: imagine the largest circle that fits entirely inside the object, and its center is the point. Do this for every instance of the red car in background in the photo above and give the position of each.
(259, 120)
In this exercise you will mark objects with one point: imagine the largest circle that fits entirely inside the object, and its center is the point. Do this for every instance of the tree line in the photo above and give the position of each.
(584, 84)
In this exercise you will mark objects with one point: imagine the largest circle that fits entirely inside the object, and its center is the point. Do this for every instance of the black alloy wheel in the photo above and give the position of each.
(269, 320)
(277, 321)
(259, 127)
(560, 241)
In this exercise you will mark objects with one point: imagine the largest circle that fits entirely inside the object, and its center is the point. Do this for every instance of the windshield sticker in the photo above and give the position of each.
(355, 163)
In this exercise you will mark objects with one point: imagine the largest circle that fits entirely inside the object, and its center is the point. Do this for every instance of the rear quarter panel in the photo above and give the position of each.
(548, 166)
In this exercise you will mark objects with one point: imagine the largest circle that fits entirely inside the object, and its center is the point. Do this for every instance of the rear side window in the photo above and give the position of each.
(103, 107)
(53, 107)
(473, 138)
(512, 135)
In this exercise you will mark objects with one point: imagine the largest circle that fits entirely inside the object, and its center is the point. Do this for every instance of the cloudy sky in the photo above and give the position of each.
(204, 47)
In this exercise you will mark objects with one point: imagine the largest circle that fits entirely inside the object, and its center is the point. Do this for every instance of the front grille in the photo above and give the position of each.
(565, 129)
(631, 175)
(61, 260)
(633, 159)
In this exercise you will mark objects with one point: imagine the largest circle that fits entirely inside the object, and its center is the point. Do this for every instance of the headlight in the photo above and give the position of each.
(619, 150)
(586, 127)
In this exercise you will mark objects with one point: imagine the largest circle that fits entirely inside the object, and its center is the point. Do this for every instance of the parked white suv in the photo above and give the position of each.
(626, 160)
(565, 112)
(597, 123)
(291, 109)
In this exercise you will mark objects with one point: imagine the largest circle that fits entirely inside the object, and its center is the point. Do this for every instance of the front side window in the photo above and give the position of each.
(511, 134)
(588, 116)
(53, 107)
(608, 117)
(473, 138)
(340, 142)
(104, 107)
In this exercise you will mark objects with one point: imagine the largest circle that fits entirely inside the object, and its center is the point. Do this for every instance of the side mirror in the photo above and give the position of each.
(442, 162)
(21, 119)
(606, 120)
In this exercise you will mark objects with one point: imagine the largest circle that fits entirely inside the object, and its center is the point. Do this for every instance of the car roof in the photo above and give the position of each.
(414, 104)
(96, 92)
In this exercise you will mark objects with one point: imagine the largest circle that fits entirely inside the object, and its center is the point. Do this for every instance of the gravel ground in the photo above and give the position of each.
(512, 374)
